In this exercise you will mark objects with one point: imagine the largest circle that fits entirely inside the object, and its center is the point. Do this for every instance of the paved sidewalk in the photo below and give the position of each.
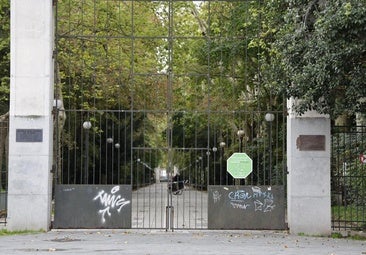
(159, 242)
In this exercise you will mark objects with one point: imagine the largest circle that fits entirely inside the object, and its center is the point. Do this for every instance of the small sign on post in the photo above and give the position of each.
(239, 165)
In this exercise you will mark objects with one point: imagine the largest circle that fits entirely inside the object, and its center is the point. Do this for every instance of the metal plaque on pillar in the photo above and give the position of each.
(29, 135)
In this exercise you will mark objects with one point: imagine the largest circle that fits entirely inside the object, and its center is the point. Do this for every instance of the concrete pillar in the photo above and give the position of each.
(308, 182)
(30, 130)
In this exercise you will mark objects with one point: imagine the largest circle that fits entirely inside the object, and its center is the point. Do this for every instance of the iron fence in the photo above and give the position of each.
(348, 180)
(124, 147)
(3, 171)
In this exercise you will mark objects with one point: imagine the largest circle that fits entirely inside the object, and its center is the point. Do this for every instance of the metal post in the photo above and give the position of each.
(222, 148)
(241, 134)
(169, 223)
(270, 153)
(269, 117)
(86, 125)
(86, 156)
(169, 218)
(169, 215)
(241, 144)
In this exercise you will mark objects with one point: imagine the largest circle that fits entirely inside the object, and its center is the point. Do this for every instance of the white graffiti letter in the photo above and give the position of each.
(216, 196)
(110, 201)
(268, 205)
(258, 205)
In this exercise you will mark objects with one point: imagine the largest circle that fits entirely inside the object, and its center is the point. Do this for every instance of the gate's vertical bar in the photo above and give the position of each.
(125, 148)
(170, 208)
(4, 129)
(106, 142)
(112, 151)
(100, 152)
(132, 101)
(208, 110)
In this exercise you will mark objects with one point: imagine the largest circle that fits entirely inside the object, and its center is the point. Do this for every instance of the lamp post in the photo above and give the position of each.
(222, 148)
(201, 175)
(109, 154)
(118, 146)
(56, 111)
(269, 117)
(214, 150)
(139, 161)
(86, 126)
(241, 134)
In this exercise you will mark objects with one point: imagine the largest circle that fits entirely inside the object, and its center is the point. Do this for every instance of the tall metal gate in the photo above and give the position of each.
(152, 97)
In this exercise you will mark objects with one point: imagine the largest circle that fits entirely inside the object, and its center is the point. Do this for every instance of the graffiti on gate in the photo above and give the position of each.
(246, 207)
(250, 198)
(239, 199)
(263, 200)
(216, 196)
(110, 201)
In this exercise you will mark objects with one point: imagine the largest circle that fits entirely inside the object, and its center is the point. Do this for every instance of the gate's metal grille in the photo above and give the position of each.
(3, 172)
(348, 178)
(154, 86)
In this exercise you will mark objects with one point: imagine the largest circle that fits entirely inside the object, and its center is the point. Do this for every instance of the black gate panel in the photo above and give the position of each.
(246, 207)
(92, 206)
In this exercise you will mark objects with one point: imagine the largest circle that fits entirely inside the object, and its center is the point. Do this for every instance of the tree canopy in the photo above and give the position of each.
(4, 55)
(321, 56)
(310, 50)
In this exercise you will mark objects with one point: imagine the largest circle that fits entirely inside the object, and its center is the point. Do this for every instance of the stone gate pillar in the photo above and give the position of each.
(308, 181)
(30, 130)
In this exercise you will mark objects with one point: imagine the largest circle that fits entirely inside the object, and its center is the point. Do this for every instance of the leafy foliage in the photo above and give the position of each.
(322, 53)
(4, 55)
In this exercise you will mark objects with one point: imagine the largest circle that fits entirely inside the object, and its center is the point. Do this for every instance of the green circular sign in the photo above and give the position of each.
(239, 165)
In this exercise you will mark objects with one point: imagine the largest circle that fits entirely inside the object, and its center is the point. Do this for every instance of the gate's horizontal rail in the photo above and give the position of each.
(206, 111)
(175, 148)
(135, 37)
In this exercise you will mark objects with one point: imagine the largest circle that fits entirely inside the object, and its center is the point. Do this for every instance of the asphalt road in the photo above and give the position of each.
(159, 242)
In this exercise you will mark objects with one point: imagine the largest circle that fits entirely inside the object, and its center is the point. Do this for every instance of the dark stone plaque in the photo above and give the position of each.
(29, 135)
(311, 142)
